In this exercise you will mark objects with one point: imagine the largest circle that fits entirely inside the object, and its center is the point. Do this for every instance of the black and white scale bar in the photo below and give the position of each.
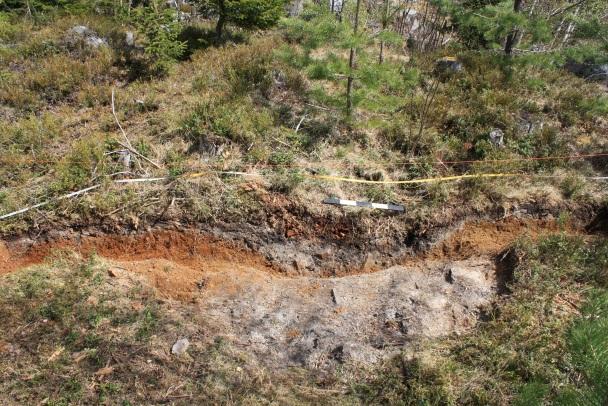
(341, 202)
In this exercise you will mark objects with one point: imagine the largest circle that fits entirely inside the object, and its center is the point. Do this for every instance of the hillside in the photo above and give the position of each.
(164, 175)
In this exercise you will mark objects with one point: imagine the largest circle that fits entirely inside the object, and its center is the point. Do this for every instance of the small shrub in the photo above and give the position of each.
(238, 121)
(379, 194)
(281, 158)
(11, 29)
(240, 70)
(402, 136)
(319, 71)
(588, 344)
(53, 79)
(176, 163)
(438, 192)
(161, 30)
(286, 182)
(76, 169)
(147, 323)
(572, 186)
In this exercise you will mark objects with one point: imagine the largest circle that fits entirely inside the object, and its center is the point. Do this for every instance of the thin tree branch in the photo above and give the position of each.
(127, 143)
(563, 10)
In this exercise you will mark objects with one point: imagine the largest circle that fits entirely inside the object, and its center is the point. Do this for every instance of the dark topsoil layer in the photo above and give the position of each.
(293, 240)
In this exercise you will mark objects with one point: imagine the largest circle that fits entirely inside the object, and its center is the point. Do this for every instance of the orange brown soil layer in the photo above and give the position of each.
(192, 249)
(489, 238)
(187, 248)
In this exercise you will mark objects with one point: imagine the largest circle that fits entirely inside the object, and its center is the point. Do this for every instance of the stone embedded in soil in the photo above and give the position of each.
(180, 346)
(303, 262)
(335, 298)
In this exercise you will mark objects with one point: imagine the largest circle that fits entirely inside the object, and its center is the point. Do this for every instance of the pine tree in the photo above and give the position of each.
(248, 14)
(161, 30)
(364, 80)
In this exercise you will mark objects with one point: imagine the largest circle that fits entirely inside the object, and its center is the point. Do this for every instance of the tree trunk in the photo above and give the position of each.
(351, 64)
(29, 8)
(219, 28)
(385, 19)
(569, 30)
(513, 35)
(341, 10)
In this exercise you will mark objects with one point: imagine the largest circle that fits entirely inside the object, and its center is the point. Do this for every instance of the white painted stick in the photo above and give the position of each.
(353, 203)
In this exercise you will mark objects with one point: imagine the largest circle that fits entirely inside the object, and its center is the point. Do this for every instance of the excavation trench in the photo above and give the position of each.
(307, 317)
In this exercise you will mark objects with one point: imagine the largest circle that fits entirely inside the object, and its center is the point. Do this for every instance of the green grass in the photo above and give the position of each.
(236, 104)
(588, 345)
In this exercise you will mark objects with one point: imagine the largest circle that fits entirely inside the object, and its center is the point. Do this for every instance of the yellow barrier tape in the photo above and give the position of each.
(353, 180)
(413, 181)
(200, 174)
(389, 182)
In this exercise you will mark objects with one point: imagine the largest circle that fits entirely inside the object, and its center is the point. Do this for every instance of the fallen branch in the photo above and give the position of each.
(127, 143)
(69, 195)
(281, 142)
(563, 10)
(139, 180)
(319, 107)
(124, 134)
(300, 123)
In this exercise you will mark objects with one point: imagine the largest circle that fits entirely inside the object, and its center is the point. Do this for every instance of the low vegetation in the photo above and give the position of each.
(274, 104)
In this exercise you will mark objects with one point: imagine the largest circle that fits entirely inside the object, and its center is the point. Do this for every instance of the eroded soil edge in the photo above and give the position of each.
(289, 304)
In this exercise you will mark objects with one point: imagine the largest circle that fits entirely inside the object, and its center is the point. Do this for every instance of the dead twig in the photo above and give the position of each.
(300, 123)
(564, 9)
(157, 166)
(281, 142)
(127, 143)
(124, 134)
(319, 107)
(69, 195)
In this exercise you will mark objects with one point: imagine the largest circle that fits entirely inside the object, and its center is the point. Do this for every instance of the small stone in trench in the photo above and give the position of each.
(449, 277)
(497, 138)
(334, 297)
(180, 346)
